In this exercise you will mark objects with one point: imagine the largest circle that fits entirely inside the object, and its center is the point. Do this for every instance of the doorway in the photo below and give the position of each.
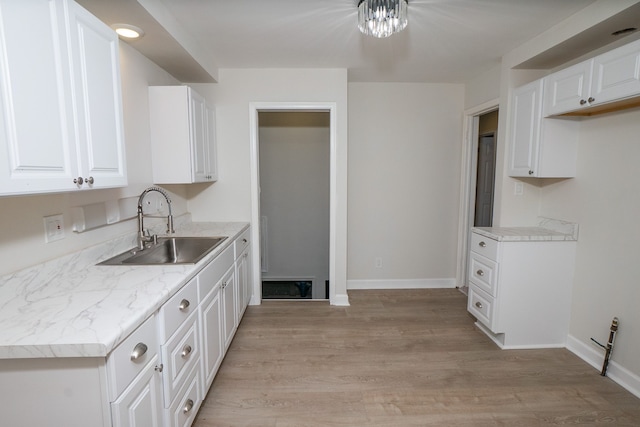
(294, 204)
(478, 180)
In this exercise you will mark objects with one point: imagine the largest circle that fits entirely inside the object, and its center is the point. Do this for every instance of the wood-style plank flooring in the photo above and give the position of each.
(399, 358)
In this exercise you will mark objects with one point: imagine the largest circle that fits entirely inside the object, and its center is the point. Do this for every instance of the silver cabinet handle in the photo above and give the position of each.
(184, 304)
(89, 180)
(186, 351)
(188, 407)
(159, 368)
(79, 180)
(224, 285)
(480, 273)
(138, 351)
(244, 240)
(530, 172)
(479, 304)
(591, 99)
(582, 102)
(482, 244)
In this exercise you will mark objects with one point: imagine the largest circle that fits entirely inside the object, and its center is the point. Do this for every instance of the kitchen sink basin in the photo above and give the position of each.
(168, 250)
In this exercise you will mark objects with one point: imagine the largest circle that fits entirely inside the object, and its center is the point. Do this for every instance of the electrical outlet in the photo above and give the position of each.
(53, 228)
(378, 262)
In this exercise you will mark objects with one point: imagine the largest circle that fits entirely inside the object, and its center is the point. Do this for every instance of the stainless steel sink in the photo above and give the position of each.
(168, 250)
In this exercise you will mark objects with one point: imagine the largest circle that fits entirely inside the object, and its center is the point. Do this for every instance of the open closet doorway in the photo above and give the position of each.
(478, 180)
(294, 181)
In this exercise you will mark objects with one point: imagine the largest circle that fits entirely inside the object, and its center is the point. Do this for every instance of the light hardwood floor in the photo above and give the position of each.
(399, 358)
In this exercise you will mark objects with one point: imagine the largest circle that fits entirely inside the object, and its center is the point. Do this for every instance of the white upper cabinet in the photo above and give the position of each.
(539, 147)
(590, 86)
(95, 53)
(183, 144)
(60, 108)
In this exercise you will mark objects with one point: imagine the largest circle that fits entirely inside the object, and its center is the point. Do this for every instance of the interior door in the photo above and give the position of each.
(485, 181)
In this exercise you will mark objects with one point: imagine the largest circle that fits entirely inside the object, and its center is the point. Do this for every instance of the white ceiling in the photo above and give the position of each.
(445, 41)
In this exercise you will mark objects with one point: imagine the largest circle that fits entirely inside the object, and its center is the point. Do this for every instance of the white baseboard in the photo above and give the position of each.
(595, 358)
(402, 284)
(340, 300)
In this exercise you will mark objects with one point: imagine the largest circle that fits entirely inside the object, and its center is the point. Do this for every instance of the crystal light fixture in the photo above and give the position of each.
(382, 18)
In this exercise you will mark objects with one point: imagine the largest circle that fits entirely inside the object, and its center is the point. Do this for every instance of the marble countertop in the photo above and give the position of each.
(71, 307)
(547, 229)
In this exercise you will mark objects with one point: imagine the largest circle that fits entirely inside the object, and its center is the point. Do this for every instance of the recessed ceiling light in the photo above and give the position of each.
(128, 31)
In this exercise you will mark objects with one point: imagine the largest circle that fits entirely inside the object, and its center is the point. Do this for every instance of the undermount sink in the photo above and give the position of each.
(168, 250)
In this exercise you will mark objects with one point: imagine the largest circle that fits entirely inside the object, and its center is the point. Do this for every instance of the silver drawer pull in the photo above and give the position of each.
(244, 240)
(186, 351)
(188, 407)
(482, 244)
(479, 304)
(184, 304)
(480, 273)
(138, 351)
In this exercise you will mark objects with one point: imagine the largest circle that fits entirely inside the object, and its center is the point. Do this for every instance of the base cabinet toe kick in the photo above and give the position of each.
(157, 376)
(520, 291)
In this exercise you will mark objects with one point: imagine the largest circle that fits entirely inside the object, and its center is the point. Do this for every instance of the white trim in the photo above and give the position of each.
(468, 183)
(595, 358)
(254, 108)
(402, 284)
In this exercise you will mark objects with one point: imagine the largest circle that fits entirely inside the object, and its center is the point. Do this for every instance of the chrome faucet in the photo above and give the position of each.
(145, 237)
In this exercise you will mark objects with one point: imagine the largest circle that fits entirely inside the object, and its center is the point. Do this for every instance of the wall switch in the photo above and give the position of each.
(518, 189)
(378, 262)
(53, 228)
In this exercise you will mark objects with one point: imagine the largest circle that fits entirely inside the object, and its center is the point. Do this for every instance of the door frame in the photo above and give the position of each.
(254, 109)
(468, 183)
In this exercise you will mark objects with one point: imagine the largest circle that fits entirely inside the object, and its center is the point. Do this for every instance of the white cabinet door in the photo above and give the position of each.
(180, 136)
(229, 289)
(61, 114)
(525, 129)
(140, 405)
(616, 74)
(540, 147)
(568, 89)
(37, 144)
(244, 282)
(212, 155)
(212, 331)
(95, 53)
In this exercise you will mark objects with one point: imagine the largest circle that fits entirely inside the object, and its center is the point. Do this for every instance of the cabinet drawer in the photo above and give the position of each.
(179, 355)
(242, 242)
(184, 409)
(130, 357)
(212, 273)
(175, 311)
(483, 272)
(481, 306)
(484, 246)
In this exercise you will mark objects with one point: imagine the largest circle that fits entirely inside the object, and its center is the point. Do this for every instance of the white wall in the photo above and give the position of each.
(405, 144)
(294, 196)
(229, 199)
(602, 199)
(22, 241)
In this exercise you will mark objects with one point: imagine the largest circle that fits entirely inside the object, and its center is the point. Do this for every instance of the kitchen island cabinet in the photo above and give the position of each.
(127, 349)
(61, 123)
(520, 282)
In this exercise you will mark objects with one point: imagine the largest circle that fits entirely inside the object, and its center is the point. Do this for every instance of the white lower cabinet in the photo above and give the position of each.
(157, 376)
(520, 291)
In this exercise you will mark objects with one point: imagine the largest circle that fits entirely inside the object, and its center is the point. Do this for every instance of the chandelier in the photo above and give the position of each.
(382, 18)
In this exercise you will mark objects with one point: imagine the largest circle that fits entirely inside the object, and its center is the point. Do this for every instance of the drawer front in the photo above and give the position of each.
(130, 357)
(212, 273)
(184, 409)
(481, 306)
(175, 311)
(179, 355)
(242, 242)
(483, 272)
(484, 246)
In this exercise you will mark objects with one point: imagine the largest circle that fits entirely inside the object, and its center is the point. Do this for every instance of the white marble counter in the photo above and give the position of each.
(70, 307)
(547, 230)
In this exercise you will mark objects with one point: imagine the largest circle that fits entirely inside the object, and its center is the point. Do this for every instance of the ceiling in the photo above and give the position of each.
(446, 41)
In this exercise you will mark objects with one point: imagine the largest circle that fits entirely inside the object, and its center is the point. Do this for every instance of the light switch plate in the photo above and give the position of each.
(518, 189)
(53, 228)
